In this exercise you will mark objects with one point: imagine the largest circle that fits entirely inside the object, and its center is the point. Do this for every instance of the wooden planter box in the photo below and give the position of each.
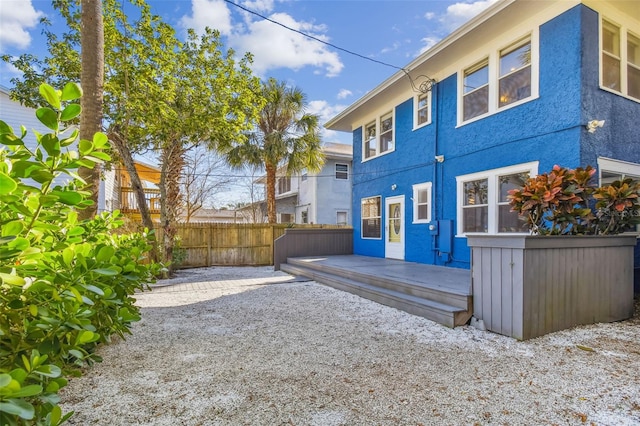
(526, 286)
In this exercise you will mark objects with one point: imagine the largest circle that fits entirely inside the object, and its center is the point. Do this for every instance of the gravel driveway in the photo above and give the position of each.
(249, 346)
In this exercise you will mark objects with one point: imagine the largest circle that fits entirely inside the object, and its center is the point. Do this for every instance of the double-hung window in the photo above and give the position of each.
(504, 78)
(371, 217)
(378, 137)
(620, 60)
(422, 108)
(483, 206)
(515, 73)
(476, 90)
(284, 184)
(612, 170)
(422, 203)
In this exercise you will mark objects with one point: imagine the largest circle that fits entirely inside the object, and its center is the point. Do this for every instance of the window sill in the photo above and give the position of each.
(497, 111)
(364, 160)
(421, 222)
(622, 95)
(420, 126)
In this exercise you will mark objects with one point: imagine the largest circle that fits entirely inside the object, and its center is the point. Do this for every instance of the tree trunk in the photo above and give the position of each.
(91, 80)
(136, 185)
(271, 192)
(172, 164)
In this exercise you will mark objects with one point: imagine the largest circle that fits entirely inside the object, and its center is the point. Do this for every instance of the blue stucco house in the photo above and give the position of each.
(519, 88)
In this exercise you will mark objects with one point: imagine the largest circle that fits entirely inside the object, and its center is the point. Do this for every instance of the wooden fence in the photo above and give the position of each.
(232, 244)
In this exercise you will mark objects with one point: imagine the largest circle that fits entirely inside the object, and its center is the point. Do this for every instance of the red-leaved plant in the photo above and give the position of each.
(567, 202)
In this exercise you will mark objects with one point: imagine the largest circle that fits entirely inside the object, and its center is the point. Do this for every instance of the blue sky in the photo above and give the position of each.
(393, 32)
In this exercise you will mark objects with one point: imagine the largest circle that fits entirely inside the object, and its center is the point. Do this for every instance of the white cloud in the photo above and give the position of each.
(459, 13)
(391, 48)
(273, 46)
(259, 5)
(16, 17)
(344, 93)
(428, 43)
(326, 112)
(208, 13)
(454, 16)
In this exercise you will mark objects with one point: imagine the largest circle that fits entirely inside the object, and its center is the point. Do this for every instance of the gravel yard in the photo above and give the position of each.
(250, 346)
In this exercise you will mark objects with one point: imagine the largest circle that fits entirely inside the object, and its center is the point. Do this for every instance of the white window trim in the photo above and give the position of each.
(618, 166)
(421, 187)
(417, 126)
(494, 77)
(492, 182)
(624, 59)
(380, 212)
(377, 121)
(278, 179)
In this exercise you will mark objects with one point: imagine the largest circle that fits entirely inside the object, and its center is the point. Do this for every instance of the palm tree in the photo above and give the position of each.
(91, 80)
(285, 134)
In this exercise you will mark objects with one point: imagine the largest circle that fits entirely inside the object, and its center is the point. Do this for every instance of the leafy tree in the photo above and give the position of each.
(285, 134)
(210, 99)
(160, 93)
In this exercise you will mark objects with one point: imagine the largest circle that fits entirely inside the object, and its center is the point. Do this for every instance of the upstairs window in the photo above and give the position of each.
(611, 56)
(370, 146)
(515, 74)
(504, 78)
(304, 176)
(378, 137)
(386, 133)
(284, 184)
(422, 108)
(633, 66)
(342, 171)
(620, 60)
(476, 90)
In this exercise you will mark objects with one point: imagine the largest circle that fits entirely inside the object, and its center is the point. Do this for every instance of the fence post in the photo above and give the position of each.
(209, 234)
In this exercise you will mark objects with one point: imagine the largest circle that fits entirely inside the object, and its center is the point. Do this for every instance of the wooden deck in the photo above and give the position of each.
(438, 293)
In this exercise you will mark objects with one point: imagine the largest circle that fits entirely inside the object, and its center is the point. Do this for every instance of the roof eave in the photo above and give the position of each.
(340, 122)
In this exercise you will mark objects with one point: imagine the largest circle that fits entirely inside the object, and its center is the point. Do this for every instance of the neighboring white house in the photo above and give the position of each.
(317, 198)
(16, 115)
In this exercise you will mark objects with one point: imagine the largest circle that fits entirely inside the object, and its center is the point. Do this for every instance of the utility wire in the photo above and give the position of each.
(423, 87)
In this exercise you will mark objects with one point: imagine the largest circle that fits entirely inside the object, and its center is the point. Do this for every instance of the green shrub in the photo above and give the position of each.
(567, 202)
(65, 285)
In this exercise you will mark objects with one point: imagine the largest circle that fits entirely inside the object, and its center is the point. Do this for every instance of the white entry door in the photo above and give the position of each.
(394, 227)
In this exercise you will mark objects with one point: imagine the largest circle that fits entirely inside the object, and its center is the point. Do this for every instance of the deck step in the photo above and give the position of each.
(416, 286)
(408, 297)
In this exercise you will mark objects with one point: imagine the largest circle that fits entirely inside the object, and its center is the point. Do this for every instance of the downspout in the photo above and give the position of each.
(435, 180)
